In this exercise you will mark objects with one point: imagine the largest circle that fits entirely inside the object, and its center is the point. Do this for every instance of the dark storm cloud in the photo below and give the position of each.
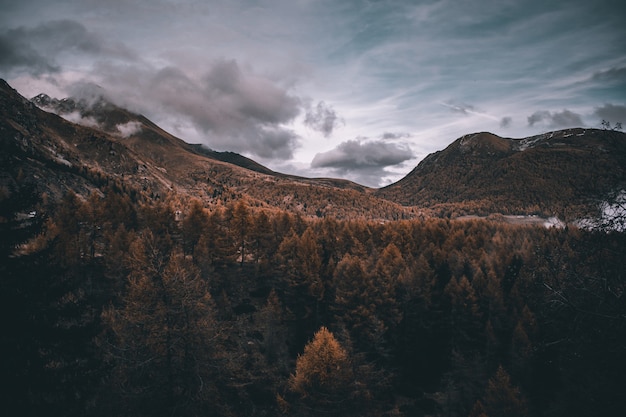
(235, 109)
(322, 118)
(37, 49)
(565, 118)
(612, 113)
(14, 54)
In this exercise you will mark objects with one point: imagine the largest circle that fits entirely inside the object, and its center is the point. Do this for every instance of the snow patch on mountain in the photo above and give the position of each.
(532, 141)
(612, 215)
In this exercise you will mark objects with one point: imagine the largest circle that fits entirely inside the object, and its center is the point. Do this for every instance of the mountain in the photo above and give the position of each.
(102, 114)
(100, 143)
(567, 173)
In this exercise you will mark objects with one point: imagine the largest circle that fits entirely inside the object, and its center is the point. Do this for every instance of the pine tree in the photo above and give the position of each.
(193, 225)
(240, 225)
(323, 377)
(502, 398)
(274, 334)
(165, 342)
(355, 305)
(263, 241)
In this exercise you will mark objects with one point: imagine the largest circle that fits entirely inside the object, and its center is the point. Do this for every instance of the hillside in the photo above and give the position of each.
(565, 173)
(113, 144)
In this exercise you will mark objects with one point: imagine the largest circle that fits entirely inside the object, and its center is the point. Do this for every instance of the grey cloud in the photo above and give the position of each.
(16, 54)
(611, 75)
(234, 108)
(391, 135)
(357, 155)
(87, 92)
(76, 117)
(565, 118)
(322, 118)
(538, 116)
(275, 143)
(612, 113)
(506, 122)
(36, 50)
(364, 162)
(244, 96)
(129, 129)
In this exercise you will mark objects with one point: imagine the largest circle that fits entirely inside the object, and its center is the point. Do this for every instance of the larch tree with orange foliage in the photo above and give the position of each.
(323, 380)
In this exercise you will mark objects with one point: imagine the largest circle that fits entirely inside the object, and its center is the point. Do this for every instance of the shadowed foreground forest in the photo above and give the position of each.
(117, 305)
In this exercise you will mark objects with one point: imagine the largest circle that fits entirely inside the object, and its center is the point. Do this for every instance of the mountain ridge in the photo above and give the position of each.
(69, 156)
(567, 173)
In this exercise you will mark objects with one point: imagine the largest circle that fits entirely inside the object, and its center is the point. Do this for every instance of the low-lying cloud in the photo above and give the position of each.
(367, 160)
(355, 155)
(226, 106)
(612, 113)
(233, 109)
(76, 117)
(562, 119)
(129, 129)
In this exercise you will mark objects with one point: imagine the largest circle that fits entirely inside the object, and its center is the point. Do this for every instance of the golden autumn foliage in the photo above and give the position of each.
(324, 367)
(210, 313)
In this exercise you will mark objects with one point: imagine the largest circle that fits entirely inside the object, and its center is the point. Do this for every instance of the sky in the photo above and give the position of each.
(353, 89)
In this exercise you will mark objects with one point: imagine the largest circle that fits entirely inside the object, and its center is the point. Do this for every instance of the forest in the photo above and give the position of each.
(118, 304)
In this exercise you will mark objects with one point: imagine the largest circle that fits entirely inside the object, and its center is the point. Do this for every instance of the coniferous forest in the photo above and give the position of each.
(118, 304)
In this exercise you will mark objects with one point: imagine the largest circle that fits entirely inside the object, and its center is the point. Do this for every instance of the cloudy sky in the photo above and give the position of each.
(353, 89)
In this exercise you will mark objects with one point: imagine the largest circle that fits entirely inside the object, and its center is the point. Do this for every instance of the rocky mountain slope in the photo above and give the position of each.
(566, 173)
(108, 143)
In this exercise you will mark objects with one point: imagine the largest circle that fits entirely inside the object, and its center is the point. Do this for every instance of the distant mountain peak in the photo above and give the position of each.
(566, 173)
(484, 141)
(71, 104)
